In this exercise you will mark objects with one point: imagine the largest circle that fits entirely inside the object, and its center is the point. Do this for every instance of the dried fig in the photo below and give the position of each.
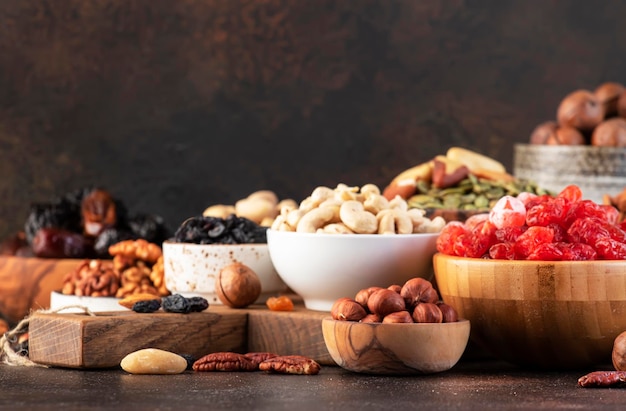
(237, 285)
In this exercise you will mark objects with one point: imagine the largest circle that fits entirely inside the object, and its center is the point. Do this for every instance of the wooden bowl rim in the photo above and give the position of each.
(488, 261)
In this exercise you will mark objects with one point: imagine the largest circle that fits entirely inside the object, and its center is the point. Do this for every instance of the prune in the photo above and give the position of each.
(197, 304)
(146, 306)
(46, 215)
(108, 237)
(150, 227)
(215, 230)
(59, 243)
(175, 303)
(190, 360)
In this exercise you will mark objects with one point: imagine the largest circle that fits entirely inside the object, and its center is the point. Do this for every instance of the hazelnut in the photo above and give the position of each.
(418, 290)
(371, 318)
(427, 313)
(542, 132)
(384, 302)
(608, 94)
(619, 352)
(363, 295)
(399, 317)
(621, 104)
(580, 109)
(395, 287)
(610, 133)
(566, 136)
(449, 313)
(237, 285)
(346, 309)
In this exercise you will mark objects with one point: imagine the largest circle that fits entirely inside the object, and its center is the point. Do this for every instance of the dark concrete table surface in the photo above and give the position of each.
(469, 385)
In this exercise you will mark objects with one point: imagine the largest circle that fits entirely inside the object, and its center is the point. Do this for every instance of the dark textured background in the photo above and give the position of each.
(177, 105)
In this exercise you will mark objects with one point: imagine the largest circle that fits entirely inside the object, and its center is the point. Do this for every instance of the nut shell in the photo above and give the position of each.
(418, 290)
(542, 132)
(449, 313)
(399, 317)
(363, 295)
(619, 352)
(608, 94)
(566, 136)
(237, 285)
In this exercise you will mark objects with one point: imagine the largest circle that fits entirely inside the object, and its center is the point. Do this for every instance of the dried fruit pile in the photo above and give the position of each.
(81, 224)
(539, 227)
(217, 230)
(586, 117)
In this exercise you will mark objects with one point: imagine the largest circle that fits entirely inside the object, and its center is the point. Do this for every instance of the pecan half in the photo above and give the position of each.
(290, 364)
(603, 379)
(258, 357)
(223, 361)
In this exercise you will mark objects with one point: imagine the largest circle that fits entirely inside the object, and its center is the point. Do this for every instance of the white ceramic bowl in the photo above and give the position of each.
(324, 267)
(191, 269)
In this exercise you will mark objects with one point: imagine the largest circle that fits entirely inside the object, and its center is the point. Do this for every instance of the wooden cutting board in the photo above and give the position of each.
(101, 341)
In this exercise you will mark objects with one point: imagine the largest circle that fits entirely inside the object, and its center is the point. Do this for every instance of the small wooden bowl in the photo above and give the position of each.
(538, 314)
(395, 349)
(26, 283)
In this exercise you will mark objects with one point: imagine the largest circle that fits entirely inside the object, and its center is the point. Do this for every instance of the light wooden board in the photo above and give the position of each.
(101, 341)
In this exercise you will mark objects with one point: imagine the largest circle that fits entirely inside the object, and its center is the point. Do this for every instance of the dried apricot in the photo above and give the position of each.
(282, 303)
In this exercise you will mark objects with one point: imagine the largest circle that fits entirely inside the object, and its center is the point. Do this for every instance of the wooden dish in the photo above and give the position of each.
(26, 283)
(551, 314)
(395, 349)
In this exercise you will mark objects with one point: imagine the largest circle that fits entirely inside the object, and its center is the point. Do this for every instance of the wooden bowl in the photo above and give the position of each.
(26, 283)
(395, 349)
(551, 315)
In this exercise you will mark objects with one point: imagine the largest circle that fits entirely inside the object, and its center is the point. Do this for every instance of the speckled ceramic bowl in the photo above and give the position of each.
(191, 269)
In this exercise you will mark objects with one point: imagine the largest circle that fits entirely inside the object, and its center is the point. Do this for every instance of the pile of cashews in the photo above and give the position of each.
(353, 210)
(261, 206)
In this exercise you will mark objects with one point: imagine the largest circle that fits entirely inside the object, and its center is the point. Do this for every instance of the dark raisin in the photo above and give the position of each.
(59, 243)
(150, 227)
(197, 304)
(215, 230)
(146, 306)
(107, 238)
(190, 360)
(46, 215)
(175, 303)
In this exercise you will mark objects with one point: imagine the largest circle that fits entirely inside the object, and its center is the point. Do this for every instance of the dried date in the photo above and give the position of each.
(59, 243)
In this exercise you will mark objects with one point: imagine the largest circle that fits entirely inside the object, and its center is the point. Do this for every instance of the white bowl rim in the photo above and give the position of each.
(333, 235)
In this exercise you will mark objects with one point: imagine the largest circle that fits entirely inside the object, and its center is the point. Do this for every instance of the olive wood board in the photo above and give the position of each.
(76, 340)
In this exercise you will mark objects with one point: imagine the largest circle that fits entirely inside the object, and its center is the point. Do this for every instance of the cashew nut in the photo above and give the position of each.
(435, 225)
(322, 193)
(287, 204)
(399, 203)
(314, 219)
(370, 189)
(344, 192)
(293, 217)
(280, 224)
(335, 228)
(219, 211)
(394, 221)
(418, 218)
(354, 216)
(266, 195)
(374, 203)
(255, 209)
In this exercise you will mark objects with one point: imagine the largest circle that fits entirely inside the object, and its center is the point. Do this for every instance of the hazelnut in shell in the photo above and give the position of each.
(237, 285)
(399, 317)
(580, 109)
(384, 302)
(418, 290)
(363, 295)
(610, 133)
(427, 313)
(618, 356)
(608, 94)
(566, 136)
(346, 309)
(542, 132)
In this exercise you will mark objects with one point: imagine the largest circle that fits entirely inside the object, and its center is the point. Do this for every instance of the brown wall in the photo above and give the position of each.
(177, 105)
